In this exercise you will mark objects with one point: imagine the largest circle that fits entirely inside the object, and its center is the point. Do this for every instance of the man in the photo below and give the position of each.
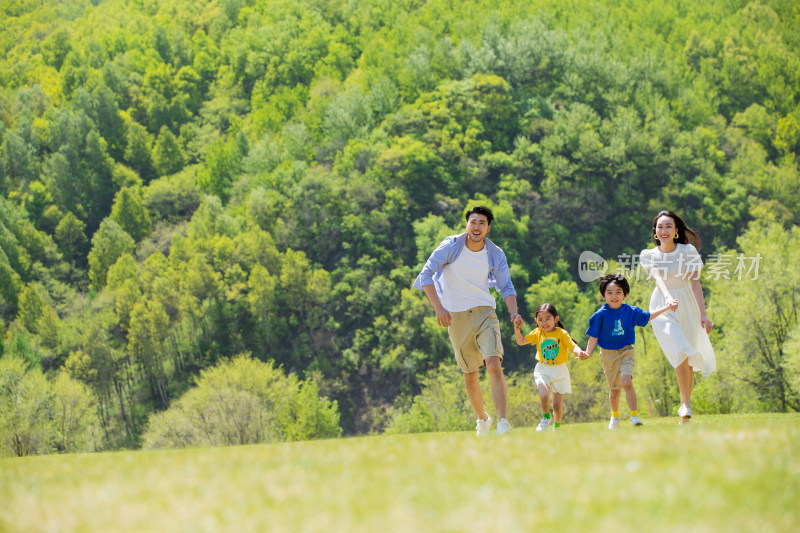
(456, 278)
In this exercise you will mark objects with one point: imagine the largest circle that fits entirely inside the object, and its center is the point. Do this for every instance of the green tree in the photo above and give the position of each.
(70, 236)
(130, 213)
(75, 415)
(26, 416)
(760, 280)
(167, 154)
(31, 306)
(244, 401)
(223, 163)
(108, 244)
(138, 151)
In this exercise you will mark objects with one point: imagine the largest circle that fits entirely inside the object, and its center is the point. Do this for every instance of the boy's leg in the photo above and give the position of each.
(613, 399)
(630, 393)
(498, 384)
(558, 402)
(473, 387)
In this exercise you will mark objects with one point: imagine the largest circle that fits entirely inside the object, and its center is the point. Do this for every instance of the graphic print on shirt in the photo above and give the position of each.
(618, 328)
(549, 349)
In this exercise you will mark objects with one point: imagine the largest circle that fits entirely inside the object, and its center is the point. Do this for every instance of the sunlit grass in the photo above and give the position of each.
(723, 473)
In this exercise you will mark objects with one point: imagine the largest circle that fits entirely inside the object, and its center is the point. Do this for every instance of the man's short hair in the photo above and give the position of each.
(480, 210)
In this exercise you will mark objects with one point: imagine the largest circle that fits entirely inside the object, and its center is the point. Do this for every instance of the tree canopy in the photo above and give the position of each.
(183, 182)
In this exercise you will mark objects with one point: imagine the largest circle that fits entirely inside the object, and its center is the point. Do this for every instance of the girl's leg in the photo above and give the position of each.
(544, 398)
(630, 393)
(558, 402)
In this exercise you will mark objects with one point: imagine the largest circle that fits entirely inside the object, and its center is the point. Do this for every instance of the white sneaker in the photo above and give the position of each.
(543, 423)
(503, 427)
(483, 427)
(613, 423)
(635, 421)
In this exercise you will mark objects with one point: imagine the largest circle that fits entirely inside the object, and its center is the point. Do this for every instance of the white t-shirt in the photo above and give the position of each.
(465, 281)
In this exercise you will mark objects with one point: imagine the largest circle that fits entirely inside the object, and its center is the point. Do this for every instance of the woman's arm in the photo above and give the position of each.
(705, 322)
(655, 273)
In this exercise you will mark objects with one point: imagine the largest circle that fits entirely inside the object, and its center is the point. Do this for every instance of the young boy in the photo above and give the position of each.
(612, 327)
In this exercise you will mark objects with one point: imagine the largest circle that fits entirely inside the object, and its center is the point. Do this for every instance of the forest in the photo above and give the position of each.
(213, 211)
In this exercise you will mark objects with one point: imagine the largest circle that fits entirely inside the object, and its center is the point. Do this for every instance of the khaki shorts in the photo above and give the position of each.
(475, 336)
(617, 363)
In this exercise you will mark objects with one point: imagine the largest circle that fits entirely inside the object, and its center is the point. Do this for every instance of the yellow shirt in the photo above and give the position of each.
(554, 347)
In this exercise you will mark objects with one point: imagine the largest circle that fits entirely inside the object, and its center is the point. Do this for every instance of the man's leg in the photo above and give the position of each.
(499, 388)
(474, 392)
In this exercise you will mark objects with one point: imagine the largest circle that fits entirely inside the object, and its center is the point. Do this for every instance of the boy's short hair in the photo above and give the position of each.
(480, 210)
(619, 279)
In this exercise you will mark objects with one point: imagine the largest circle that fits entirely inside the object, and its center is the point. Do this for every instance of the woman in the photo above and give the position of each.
(674, 264)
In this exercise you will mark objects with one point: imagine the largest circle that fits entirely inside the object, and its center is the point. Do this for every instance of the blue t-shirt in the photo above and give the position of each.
(614, 328)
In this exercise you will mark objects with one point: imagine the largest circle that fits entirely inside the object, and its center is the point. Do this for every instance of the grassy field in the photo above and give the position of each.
(723, 473)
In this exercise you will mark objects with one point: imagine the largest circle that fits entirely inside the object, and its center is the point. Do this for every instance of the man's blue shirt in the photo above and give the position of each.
(614, 328)
(447, 252)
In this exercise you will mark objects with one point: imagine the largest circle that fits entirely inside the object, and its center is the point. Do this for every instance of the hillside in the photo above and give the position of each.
(184, 182)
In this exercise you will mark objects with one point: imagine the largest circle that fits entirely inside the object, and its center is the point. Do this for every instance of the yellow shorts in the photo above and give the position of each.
(475, 336)
(617, 363)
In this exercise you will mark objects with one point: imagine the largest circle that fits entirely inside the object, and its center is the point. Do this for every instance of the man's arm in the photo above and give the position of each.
(442, 315)
(511, 303)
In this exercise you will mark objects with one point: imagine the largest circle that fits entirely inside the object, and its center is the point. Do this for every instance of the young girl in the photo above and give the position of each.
(553, 345)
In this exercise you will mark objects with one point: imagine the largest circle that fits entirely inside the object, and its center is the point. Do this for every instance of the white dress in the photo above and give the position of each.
(679, 333)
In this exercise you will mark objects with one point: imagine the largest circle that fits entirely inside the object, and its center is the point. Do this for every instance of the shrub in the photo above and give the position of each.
(244, 401)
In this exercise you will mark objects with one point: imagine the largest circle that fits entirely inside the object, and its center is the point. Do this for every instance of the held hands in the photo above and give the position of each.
(583, 355)
(672, 303)
(516, 318)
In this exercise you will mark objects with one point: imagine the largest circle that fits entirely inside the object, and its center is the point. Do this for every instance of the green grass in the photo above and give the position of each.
(723, 473)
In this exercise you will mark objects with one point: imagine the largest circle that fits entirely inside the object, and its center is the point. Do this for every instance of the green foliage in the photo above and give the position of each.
(108, 244)
(39, 417)
(25, 417)
(130, 213)
(244, 401)
(758, 340)
(186, 181)
(75, 411)
(442, 405)
(167, 154)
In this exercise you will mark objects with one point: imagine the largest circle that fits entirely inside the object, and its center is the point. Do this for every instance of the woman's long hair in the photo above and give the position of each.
(686, 235)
